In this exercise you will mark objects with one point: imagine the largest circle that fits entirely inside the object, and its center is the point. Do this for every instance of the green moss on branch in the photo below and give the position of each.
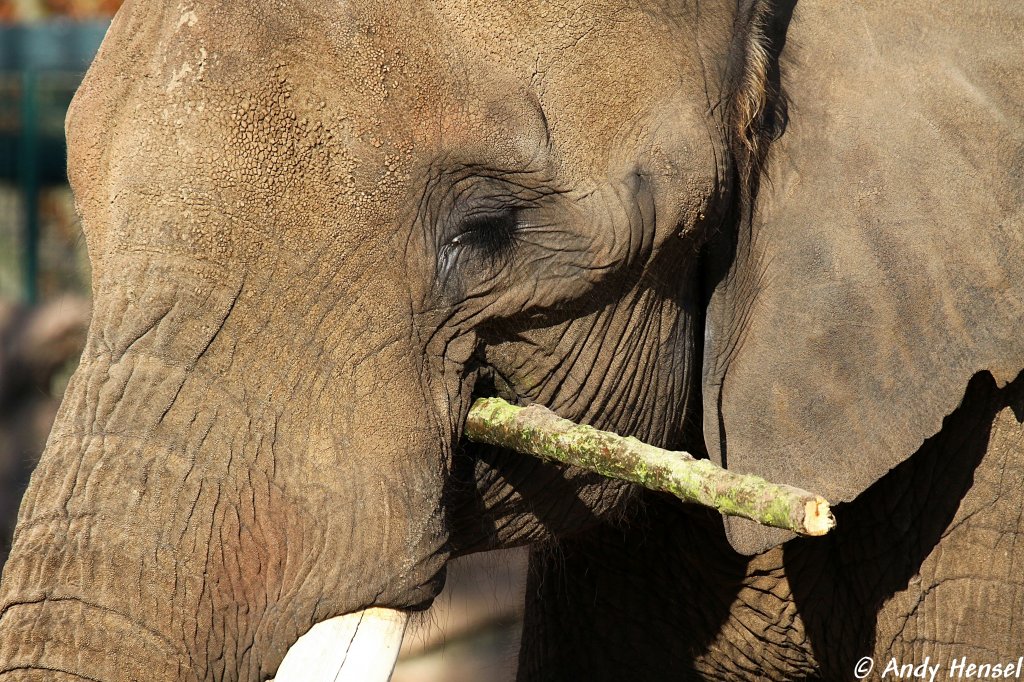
(537, 431)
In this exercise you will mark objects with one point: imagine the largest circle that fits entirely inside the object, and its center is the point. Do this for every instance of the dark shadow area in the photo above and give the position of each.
(882, 538)
(636, 602)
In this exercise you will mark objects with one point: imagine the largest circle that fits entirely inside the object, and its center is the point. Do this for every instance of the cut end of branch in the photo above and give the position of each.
(818, 519)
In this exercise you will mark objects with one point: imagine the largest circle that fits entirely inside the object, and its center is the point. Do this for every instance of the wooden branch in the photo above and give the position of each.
(537, 431)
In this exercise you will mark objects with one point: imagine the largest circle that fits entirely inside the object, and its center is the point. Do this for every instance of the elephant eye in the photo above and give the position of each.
(493, 234)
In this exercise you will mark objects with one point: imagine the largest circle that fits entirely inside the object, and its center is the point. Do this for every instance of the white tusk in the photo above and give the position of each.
(358, 647)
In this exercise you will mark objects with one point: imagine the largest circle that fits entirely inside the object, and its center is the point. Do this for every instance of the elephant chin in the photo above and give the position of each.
(358, 647)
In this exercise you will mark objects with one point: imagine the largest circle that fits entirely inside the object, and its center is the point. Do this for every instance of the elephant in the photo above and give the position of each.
(783, 235)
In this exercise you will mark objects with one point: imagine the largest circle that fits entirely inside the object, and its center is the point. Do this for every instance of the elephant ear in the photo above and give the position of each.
(881, 264)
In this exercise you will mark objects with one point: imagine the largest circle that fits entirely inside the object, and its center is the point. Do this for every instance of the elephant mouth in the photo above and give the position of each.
(488, 382)
(491, 383)
(363, 646)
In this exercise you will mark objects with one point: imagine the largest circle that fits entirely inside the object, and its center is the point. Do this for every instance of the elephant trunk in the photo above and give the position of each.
(141, 554)
(92, 638)
(65, 637)
(96, 589)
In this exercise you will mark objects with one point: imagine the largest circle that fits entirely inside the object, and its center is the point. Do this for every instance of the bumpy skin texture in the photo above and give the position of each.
(317, 228)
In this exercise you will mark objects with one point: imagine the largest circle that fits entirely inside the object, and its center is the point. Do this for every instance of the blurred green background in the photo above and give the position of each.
(41, 64)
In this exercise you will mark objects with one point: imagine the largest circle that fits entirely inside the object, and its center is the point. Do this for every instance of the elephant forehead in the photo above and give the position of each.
(596, 68)
(494, 79)
(248, 128)
(385, 77)
(245, 128)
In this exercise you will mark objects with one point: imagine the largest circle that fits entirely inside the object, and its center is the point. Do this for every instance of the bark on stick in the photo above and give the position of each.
(537, 431)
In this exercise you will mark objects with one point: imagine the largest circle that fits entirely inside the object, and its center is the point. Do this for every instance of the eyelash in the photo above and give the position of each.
(493, 234)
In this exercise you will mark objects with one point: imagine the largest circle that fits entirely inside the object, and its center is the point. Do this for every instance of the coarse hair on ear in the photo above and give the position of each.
(756, 108)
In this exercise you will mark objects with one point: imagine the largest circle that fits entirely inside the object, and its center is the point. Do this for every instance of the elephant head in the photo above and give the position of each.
(319, 230)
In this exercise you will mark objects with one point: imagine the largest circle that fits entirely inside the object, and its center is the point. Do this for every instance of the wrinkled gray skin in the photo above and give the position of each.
(318, 228)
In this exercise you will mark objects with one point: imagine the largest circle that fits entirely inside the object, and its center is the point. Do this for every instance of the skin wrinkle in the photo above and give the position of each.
(53, 598)
(628, 347)
(640, 346)
(38, 668)
(514, 303)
